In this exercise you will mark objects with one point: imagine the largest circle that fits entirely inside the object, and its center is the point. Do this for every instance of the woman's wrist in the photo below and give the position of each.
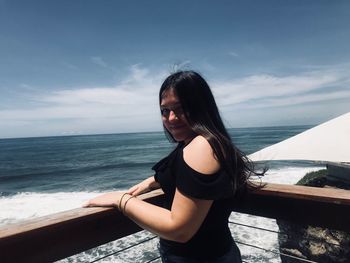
(126, 202)
(123, 202)
(119, 204)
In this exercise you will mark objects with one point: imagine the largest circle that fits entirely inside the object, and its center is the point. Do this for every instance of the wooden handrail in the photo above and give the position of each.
(60, 235)
(305, 205)
(53, 237)
(326, 195)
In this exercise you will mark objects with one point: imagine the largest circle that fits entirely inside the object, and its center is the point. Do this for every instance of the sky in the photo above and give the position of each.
(70, 67)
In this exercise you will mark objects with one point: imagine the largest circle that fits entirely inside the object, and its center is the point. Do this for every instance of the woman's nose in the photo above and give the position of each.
(172, 116)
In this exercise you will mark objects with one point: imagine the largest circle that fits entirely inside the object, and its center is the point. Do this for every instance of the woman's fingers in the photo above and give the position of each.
(86, 204)
(109, 199)
(137, 189)
(132, 190)
(140, 188)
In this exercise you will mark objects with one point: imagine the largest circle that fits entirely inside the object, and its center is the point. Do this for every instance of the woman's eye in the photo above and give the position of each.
(165, 112)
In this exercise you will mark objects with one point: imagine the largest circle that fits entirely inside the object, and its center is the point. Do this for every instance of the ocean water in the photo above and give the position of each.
(40, 176)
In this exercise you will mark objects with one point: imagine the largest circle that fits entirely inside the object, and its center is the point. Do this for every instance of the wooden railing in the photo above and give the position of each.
(60, 235)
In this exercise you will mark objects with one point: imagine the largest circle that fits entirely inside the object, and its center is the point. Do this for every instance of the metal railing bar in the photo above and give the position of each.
(159, 258)
(255, 227)
(275, 252)
(298, 258)
(153, 259)
(283, 233)
(123, 249)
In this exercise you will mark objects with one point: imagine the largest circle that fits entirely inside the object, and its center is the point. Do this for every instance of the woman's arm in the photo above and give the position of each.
(179, 224)
(146, 185)
(187, 213)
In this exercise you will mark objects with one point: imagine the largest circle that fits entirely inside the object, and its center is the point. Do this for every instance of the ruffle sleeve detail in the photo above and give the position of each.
(159, 167)
(202, 186)
(165, 164)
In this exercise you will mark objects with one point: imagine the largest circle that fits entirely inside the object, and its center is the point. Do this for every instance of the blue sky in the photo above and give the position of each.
(87, 67)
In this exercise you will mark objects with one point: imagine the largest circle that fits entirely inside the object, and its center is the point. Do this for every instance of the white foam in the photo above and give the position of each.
(288, 175)
(31, 205)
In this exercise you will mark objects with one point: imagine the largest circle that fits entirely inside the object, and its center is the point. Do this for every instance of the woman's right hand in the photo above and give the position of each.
(144, 187)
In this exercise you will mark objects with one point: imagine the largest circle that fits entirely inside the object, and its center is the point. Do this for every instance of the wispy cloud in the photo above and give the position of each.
(69, 65)
(135, 95)
(25, 86)
(233, 54)
(183, 65)
(132, 102)
(300, 99)
(99, 61)
(274, 91)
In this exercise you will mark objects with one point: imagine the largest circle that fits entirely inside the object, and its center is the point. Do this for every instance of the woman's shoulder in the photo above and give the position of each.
(199, 155)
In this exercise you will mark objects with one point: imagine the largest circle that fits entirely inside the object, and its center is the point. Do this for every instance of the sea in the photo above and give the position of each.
(46, 175)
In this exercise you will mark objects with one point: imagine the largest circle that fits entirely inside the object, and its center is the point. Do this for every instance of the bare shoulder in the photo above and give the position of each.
(199, 155)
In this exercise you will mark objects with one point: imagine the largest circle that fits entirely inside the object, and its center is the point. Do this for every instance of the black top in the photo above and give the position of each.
(213, 238)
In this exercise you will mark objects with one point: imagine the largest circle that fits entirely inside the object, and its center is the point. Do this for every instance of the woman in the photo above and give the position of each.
(200, 178)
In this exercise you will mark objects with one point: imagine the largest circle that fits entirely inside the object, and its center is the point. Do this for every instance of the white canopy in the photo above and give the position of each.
(327, 142)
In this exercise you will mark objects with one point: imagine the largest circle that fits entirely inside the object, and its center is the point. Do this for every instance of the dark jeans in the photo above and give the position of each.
(232, 256)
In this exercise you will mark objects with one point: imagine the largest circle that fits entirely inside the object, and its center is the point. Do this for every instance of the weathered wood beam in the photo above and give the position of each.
(323, 207)
(61, 235)
(67, 233)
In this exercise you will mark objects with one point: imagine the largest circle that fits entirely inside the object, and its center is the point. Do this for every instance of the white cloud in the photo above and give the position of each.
(99, 61)
(132, 104)
(135, 95)
(25, 86)
(69, 65)
(300, 99)
(276, 89)
(233, 54)
(184, 65)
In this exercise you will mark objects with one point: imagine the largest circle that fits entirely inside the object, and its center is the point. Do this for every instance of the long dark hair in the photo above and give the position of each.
(203, 116)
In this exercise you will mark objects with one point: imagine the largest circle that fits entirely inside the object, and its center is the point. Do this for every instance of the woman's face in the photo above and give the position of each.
(174, 118)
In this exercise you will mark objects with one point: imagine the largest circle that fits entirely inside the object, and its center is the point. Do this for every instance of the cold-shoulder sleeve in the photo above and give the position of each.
(160, 166)
(195, 184)
(165, 164)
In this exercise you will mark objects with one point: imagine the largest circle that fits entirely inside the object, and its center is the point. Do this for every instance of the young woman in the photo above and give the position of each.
(200, 178)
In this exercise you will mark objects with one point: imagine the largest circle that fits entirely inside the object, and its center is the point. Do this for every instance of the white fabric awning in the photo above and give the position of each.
(327, 142)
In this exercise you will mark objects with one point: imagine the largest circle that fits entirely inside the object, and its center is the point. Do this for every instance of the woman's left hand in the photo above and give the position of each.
(108, 200)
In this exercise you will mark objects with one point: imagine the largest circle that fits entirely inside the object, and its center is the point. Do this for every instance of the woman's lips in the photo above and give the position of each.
(177, 127)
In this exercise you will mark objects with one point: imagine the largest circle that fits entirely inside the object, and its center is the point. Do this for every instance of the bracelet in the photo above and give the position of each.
(120, 202)
(131, 197)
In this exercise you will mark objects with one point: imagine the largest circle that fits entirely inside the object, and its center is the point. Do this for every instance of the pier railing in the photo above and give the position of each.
(61, 235)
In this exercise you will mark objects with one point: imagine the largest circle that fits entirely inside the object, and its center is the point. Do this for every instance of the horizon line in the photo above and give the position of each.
(137, 132)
